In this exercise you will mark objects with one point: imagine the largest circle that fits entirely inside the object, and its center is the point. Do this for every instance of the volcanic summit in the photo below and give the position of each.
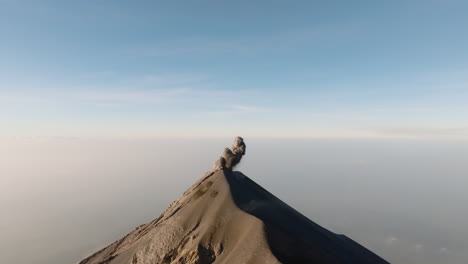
(226, 218)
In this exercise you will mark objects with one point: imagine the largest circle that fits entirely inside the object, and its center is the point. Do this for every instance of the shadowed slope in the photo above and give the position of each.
(292, 237)
(227, 218)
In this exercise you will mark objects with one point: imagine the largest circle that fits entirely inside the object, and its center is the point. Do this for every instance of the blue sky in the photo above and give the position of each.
(221, 68)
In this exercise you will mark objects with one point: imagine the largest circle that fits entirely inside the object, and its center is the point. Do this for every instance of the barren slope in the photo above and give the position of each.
(227, 218)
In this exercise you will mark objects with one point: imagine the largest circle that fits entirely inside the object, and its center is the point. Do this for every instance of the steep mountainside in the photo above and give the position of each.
(227, 218)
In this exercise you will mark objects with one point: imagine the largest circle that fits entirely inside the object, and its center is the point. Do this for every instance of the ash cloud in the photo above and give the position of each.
(231, 156)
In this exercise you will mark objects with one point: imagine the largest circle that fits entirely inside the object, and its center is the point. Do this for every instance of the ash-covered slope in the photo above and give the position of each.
(227, 218)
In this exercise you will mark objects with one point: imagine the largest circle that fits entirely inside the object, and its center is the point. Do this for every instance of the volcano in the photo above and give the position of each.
(226, 218)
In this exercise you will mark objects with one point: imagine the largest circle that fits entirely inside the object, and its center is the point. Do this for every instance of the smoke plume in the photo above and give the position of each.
(231, 156)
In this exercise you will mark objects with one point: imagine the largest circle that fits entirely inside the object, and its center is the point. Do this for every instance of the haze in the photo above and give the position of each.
(62, 199)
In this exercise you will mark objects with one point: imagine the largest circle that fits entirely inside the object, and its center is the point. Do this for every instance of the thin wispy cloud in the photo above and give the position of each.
(19, 98)
(424, 132)
(175, 79)
(250, 44)
(180, 90)
(222, 111)
(98, 74)
(249, 109)
(200, 97)
(132, 97)
(143, 89)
